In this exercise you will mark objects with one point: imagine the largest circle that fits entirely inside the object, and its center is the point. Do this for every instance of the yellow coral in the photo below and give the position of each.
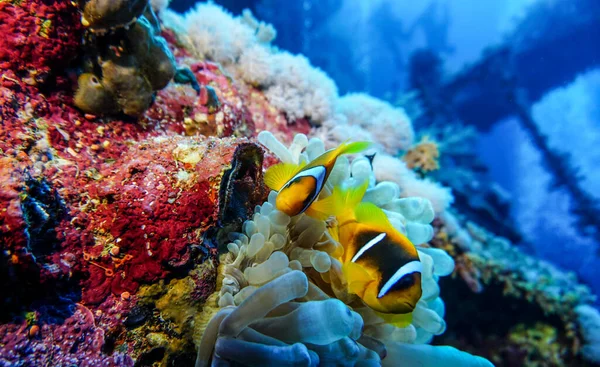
(539, 343)
(423, 156)
(210, 307)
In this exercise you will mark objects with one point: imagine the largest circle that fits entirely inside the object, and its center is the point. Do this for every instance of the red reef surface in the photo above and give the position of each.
(137, 216)
(92, 207)
(38, 36)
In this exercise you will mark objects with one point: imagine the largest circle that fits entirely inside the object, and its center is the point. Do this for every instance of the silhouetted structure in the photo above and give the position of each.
(548, 49)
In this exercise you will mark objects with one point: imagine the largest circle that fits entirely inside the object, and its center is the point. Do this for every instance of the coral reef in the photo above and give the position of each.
(550, 316)
(95, 206)
(38, 38)
(151, 240)
(242, 45)
(71, 338)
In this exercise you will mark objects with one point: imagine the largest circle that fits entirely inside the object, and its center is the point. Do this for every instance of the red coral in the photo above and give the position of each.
(37, 36)
(192, 114)
(140, 204)
(12, 224)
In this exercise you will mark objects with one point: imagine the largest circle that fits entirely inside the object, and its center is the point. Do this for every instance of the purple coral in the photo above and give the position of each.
(74, 341)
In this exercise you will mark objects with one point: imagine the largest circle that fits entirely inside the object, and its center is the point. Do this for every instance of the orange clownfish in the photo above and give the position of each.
(299, 186)
(379, 263)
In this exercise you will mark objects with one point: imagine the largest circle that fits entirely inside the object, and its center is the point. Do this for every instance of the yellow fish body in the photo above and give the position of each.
(299, 186)
(379, 263)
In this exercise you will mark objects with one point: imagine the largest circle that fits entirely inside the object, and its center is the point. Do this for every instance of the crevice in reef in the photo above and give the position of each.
(492, 323)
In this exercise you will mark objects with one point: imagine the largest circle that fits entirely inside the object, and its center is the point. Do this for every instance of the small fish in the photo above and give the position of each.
(299, 186)
(379, 263)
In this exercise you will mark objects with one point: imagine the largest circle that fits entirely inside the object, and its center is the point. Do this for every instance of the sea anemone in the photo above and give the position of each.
(282, 298)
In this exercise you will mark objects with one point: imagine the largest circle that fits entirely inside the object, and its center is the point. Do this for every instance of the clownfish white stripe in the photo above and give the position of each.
(411, 267)
(317, 172)
(368, 245)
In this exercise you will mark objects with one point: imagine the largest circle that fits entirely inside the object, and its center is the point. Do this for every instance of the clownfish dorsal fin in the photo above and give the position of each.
(328, 158)
(340, 203)
(352, 148)
(398, 320)
(279, 174)
(369, 213)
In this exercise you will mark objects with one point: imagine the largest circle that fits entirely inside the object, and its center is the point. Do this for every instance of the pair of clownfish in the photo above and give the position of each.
(380, 264)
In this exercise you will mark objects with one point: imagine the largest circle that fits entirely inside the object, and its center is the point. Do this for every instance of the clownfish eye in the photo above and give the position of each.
(94, 80)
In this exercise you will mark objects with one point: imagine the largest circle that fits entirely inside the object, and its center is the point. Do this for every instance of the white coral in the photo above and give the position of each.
(589, 324)
(390, 126)
(241, 44)
(216, 34)
(255, 66)
(265, 33)
(301, 90)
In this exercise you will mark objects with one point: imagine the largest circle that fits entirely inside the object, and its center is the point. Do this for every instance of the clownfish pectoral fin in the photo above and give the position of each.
(369, 213)
(398, 320)
(315, 211)
(357, 278)
(340, 203)
(279, 174)
(326, 207)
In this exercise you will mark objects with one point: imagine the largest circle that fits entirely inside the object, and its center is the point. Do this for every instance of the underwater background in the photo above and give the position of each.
(147, 146)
